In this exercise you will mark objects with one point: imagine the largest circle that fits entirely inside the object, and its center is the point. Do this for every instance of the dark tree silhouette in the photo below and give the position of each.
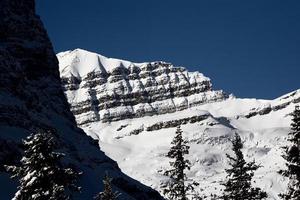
(107, 193)
(177, 187)
(239, 175)
(292, 157)
(41, 175)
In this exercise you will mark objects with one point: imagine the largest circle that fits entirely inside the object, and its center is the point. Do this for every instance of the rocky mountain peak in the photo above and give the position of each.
(107, 89)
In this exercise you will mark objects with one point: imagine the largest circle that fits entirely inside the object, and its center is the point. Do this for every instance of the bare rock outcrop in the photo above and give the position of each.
(106, 89)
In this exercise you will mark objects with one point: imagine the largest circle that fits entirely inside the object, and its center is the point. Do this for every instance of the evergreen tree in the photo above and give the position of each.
(107, 193)
(41, 175)
(292, 157)
(239, 176)
(177, 188)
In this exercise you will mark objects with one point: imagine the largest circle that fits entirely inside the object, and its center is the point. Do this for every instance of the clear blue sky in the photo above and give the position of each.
(250, 48)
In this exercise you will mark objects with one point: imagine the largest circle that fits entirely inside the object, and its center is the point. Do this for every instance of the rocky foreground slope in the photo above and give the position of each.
(31, 99)
(132, 109)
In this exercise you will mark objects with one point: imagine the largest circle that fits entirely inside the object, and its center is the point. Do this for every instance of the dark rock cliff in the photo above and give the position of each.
(31, 99)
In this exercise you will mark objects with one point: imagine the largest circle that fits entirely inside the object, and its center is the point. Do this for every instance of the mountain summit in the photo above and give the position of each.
(108, 89)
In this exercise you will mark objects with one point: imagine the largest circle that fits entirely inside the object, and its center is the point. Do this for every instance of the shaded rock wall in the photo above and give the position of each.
(31, 99)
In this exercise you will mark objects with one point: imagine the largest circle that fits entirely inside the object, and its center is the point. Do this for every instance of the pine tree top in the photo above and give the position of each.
(292, 157)
(41, 174)
(179, 145)
(178, 186)
(239, 175)
(107, 193)
(294, 135)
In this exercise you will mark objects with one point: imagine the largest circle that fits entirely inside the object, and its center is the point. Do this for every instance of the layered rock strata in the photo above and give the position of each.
(106, 89)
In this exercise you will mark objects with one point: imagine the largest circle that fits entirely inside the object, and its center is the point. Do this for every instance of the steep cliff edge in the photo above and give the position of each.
(31, 99)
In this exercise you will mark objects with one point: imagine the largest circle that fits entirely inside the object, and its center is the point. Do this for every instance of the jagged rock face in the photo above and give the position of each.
(28, 66)
(105, 89)
(31, 99)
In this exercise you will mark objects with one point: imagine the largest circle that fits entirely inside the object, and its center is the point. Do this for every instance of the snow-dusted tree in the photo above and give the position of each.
(178, 186)
(41, 175)
(239, 175)
(292, 157)
(107, 193)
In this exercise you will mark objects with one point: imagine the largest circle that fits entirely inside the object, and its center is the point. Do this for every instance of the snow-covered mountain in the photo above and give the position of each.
(133, 109)
(106, 89)
(32, 99)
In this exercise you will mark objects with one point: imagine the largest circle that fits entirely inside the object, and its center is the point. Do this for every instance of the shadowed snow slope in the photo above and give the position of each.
(31, 99)
(133, 109)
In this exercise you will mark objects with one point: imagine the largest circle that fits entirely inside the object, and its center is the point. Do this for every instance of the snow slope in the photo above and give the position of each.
(139, 144)
(142, 156)
(79, 63)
